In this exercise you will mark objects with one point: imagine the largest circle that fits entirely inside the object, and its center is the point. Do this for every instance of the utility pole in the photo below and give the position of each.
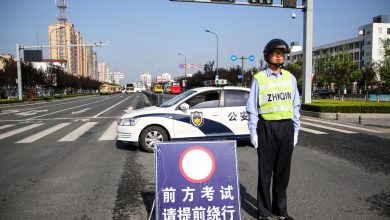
(307, 9)
(18, 59)
(307, 50)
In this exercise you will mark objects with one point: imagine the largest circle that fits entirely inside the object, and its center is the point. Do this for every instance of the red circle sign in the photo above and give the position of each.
(197, 164)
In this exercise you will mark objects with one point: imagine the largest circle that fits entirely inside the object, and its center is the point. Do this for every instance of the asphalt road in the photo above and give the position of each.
(60, 160)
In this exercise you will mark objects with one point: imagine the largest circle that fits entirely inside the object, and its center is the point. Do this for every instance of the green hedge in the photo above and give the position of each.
(347, 106)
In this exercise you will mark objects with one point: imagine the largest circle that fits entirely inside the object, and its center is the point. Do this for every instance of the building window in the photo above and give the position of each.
(368, 32)
(388, 31)
(350, 46)
(368, 42)
(356, 55)
(357, 45)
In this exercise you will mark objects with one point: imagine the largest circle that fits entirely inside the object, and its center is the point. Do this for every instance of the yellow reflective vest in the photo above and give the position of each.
(275, 96)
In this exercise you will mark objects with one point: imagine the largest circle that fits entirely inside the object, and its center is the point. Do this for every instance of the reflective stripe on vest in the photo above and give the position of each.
(275, 96)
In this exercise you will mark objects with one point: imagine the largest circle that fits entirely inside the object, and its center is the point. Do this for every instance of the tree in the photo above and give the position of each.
(383, 66)
(368, 75)
(296, 70)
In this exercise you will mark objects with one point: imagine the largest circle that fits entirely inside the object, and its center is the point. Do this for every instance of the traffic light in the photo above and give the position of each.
(289, 3)
(261, 2)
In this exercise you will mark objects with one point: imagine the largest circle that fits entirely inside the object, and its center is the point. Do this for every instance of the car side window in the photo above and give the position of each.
(235, 98)
(205, 100)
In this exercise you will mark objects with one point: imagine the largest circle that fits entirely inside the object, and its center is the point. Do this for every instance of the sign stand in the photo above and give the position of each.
(151, 211)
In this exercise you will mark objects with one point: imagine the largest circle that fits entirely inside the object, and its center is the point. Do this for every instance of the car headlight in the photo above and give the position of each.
(127, 121)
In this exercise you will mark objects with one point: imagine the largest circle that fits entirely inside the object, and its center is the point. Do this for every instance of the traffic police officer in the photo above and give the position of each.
(273, 109)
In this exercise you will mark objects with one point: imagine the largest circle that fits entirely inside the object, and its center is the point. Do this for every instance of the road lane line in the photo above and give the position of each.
(110, 133)
(111, 107)
(81, 111)
(312, 131)
(5, 126)
(65, 109)
(19, 130)
(329, 128)
(42, 134)
(78, 132)
(344, 125)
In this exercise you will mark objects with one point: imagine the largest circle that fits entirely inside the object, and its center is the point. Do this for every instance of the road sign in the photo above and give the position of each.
(233, 58)
(251, 58)
(197, 180)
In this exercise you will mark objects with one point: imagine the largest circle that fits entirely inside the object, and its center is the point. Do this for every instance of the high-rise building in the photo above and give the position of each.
(146, 80)
(102, 72)
(81, 60)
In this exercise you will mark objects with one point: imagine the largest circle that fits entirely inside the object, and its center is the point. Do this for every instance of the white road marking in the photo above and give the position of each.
(43, 133)
(66, 109)
(19, 130)
(344, 125)
(78, 132)
(329, 128)
(8, 111)
(32, 112)
(111, 107)
(81, 111)
(130, 109)
(110, 133)
(5, 126)
(312, 131)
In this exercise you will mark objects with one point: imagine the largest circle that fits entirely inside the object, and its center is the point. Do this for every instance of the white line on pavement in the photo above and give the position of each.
(78, 132)
(329, 128)
(111, 107)
(19, 130)
(110, 133)
(344, 125)
(5, 126)
(312, 131)
(43, 133)
(66, 109)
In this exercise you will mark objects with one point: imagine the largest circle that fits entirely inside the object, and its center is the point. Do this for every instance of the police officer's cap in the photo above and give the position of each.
(276, 44)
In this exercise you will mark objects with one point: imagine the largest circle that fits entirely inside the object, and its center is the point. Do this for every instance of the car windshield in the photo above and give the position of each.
(177, 98)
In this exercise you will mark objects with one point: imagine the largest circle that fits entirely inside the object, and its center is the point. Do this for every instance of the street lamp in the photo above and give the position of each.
(185, 65)
(208, 31)
(50, 38)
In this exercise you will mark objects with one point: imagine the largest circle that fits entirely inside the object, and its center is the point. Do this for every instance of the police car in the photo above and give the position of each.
(197, 114)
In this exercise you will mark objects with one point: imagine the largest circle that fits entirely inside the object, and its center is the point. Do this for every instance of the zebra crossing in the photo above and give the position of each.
(309, 125)
(326, 126)
(76, 133)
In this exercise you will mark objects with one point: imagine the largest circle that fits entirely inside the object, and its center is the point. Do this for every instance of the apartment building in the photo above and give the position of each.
(364, 49)
(81, 60)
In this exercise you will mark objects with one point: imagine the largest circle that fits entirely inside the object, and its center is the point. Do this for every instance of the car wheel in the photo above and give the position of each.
(151, 135)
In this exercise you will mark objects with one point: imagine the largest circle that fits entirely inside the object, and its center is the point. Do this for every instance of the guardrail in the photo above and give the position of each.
(157, 99)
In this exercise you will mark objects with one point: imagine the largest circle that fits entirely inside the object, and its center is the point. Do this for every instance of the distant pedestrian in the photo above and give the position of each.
(273, 109)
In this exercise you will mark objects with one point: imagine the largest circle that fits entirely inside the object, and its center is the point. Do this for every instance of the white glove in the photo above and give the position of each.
(295, 139)
(254, 140)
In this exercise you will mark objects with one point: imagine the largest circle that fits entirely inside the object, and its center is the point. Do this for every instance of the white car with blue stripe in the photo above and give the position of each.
(198, 114)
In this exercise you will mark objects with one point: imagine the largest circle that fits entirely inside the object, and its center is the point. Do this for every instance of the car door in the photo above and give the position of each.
(202, 119)
(234, 116)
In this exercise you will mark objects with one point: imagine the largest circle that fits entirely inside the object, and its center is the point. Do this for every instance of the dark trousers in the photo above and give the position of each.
(276, 144)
